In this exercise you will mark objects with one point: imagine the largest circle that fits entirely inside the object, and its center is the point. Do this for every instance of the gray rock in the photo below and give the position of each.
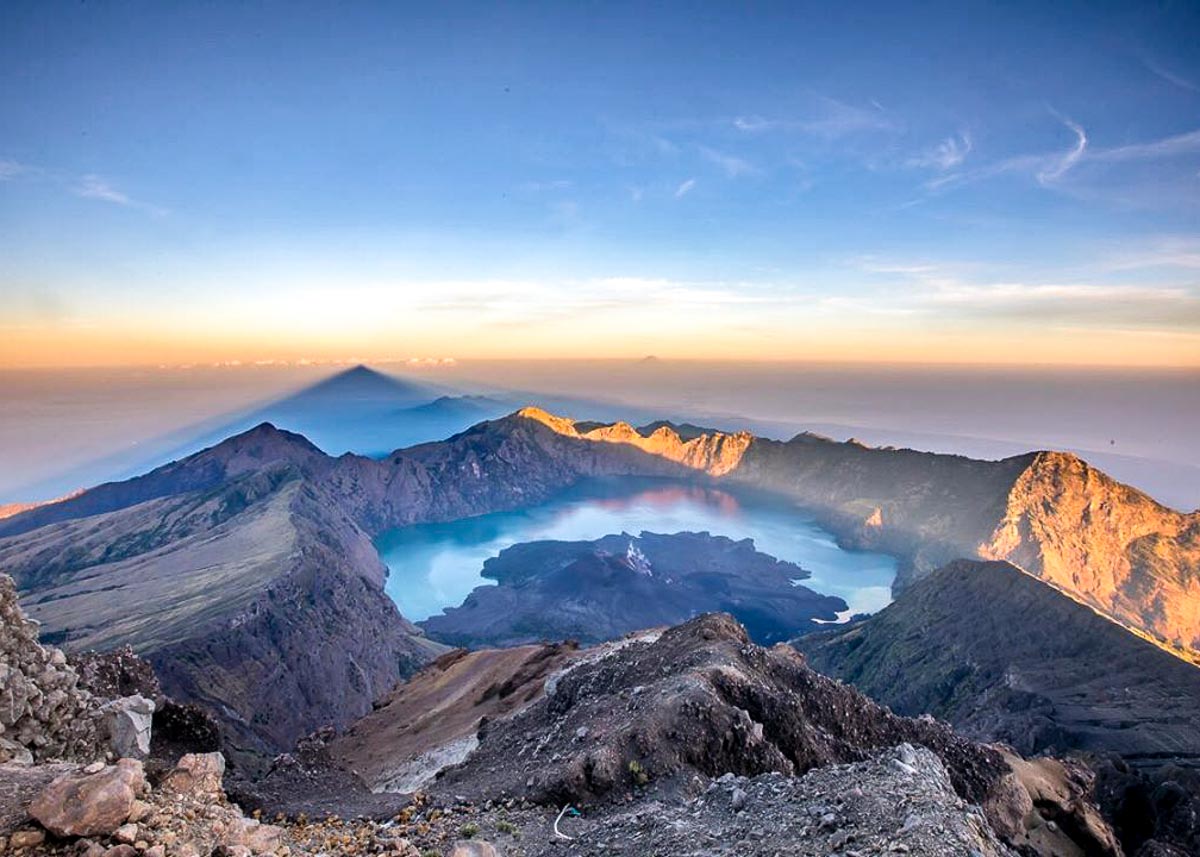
(128, 721)
(14, 753)
(738, 801)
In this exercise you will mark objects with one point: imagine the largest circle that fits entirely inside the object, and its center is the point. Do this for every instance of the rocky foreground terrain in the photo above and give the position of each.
(1002, 657)
(688, 741)
(606, 588)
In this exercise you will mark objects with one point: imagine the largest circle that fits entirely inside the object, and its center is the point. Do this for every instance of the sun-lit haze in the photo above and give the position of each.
(1016, 183)
(61, 430)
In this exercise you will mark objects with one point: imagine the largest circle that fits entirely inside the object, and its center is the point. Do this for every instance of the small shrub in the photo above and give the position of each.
(640, 777)
(468, 830)
(506, 826)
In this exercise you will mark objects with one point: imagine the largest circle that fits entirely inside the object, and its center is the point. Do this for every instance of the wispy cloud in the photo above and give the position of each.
(828, 118)
(877, 266)
(1070, 158)
(96, 187)
(524, 302)
(941, 290)
(946, 155)
(1167, 147)
(1048, 169)
(684, 188)
(731, 164)
(1171, 251)
(10, 169)
(90, 186)
(1080, 304)
(1169, 76)
(752, 124)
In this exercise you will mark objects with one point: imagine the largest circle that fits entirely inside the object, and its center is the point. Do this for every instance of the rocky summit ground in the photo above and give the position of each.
(635, 737)
(687, 741)
(899, 801)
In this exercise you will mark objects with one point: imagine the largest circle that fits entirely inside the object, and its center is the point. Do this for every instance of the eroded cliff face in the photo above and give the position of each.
(315, 647)
(1004, 657)
(701, 700)
(715, 454)
(1105, 544)
(925, 508)
(1102, 543)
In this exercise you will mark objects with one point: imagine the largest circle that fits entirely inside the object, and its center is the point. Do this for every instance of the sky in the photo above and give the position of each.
(959, 182)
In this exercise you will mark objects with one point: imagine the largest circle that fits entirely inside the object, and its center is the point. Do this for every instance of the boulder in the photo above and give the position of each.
(14, 753)
(128, 722)
(15, 696)
(197, 774)
(127, 833)
(81, 804)
(19, 785)
(261, 838)
(121, 851)
(26, 839)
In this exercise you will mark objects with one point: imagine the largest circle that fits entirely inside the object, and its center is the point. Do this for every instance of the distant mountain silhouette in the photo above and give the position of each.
(467, 406)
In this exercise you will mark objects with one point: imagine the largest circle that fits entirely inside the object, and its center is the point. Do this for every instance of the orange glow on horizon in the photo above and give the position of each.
(49, 347)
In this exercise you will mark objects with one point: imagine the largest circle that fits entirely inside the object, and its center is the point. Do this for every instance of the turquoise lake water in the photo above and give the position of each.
(434, 566)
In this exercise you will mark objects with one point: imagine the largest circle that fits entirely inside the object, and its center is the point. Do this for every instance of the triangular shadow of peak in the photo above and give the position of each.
(359, 393)
(364, 382)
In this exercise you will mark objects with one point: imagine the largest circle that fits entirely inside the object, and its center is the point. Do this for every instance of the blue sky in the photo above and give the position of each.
(958, 182)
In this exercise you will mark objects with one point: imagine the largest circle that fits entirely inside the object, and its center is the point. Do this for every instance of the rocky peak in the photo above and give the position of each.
(701, 700)
(260, 445)
(562, 425)
(250, 452)
(1106, 544)
(713, 453)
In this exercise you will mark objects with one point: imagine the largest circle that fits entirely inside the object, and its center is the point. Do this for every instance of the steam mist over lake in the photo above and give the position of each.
(66, 429)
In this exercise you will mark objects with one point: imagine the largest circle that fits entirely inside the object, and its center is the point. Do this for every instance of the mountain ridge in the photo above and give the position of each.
(1066, 678)
(271, 523)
